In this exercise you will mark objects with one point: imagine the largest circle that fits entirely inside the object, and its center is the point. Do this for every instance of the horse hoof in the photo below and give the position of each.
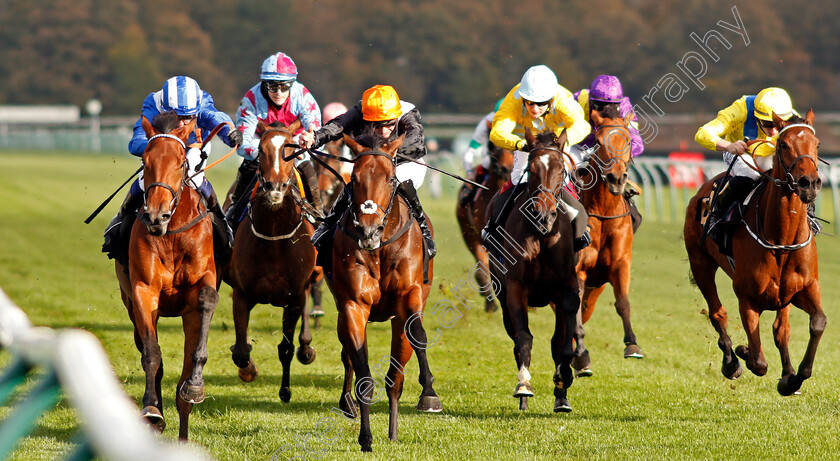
(429, 404)
(249, 373)
(789, 385)
(561, 405)
(306, 355)
(632, 351)
(490, 306)
(743, 352)
(153, 416)
(581, 362)
(732, 370)
(285, 394)
(241, 357)
(584, 373)
(523, 390)
(191, 394)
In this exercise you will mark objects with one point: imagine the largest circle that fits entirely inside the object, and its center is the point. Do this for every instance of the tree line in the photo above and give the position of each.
(445, 57)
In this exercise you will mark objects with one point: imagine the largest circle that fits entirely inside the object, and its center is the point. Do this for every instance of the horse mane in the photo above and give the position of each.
(546, 138)
(166, 121)
(369, 138)
(795, 119)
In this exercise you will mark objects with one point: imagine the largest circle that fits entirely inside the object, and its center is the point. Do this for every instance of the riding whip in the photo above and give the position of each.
(107, 200)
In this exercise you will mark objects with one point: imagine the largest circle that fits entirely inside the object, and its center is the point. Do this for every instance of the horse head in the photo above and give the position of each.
(613, 153)
(373, 184)
(546, 176)
(501, 162)
(164, 169)
(797, 142)
(276, 176)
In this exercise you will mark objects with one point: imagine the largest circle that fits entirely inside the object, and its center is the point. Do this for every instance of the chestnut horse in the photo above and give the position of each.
(607, 259)
(171, 270)
(473, 217)
(774, 257)
(377, 275)
(539, 266)
(330, 186)
(273, 259)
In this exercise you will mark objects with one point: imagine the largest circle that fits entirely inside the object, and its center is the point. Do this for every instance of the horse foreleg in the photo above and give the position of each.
(565, 321)
(286, 349)
(517, 307)
(581, 360)
(752, 354)
(192, 389)
(351, 323)
(416, 337)
(620, 280)
(781, 336)
(305, 352)
(808, 301)
(395, 374)
(146, 340)
(241, 350)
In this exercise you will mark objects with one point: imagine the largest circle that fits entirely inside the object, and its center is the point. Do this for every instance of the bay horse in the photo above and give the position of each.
(330, 187)
(608, 258)
(377, 275)
(539, 266)
(273, 259)
(473, 217)
(774, 256)
(171, 269)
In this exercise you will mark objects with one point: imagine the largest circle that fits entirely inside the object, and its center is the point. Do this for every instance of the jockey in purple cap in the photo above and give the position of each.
(606, 97)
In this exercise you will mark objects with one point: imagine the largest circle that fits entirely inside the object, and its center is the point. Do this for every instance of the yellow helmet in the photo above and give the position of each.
(379, 103)
(770, 100)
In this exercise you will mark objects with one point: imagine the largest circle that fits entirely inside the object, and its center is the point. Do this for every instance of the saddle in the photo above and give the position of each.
(720, 225)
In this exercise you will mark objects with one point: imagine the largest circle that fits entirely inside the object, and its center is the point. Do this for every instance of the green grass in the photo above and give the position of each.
(673, 404)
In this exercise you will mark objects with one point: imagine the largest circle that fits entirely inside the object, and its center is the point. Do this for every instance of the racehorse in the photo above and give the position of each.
(774, 257)
(273, 259)
(377, 275)
(171, 270)
(607, 259)
(473, 217)
(330, 186)
(539, 266)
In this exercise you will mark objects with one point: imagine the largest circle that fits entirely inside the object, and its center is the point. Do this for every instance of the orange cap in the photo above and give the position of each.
(379, 103)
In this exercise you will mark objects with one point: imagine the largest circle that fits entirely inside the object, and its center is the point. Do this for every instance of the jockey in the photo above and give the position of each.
(183, 96)
(538, 103)
(606, 96)
(478, 150)
(278, 97)
(390, 117)
(749, 117)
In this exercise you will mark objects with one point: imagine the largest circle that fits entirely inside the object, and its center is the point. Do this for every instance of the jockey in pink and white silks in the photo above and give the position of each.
(278, 97)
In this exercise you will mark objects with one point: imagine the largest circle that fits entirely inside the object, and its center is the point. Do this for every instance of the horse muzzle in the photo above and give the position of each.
(156, 223)
(616, 182)
(275, 192)
(807, 188)
(370, 237)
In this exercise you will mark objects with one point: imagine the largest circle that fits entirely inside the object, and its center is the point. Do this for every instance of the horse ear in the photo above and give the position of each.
(261, 126)
(529, 137)
(147, 126)
(628, 119)
(294, 126)
(561, 140)
(777, 120)
(355, 147)
(392, 147)
(809, 117)
(184, 131)
(596, 118)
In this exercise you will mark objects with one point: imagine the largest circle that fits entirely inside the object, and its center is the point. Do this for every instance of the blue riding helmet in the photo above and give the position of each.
(183, 95)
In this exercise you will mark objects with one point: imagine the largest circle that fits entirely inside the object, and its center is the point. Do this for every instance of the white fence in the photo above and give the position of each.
(74, 363)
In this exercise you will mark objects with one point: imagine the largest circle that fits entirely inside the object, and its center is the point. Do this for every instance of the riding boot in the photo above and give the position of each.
(409, 193)
(219, 219)
(319, 237)
(132, 201)
(245, 177)
(813, 221)
(635, 216)
(310, 185)
(579, 222)
(735, 188)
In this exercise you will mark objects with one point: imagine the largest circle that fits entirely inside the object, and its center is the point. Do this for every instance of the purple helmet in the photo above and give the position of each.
(606, 88)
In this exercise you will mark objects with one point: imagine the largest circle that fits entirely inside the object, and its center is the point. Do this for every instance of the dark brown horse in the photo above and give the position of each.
(607, 259)
(473, 217)
(273, 259)
(377, 275)
(330, 186)
(774, 257)
(171, 270)
(538, 266)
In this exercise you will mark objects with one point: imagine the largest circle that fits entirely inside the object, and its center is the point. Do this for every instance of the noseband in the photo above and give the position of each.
(176, 195)
(611, 159)
(789, 180)
(260, 176)
(370, 207)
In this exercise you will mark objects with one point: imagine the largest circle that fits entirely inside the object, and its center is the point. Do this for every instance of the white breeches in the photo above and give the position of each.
(193, 161)
(742, 168)
(410, 170)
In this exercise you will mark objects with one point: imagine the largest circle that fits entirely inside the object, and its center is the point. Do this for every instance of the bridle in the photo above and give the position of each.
(176, 195)
(603, 164)
(370, 207)
(789, 180)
